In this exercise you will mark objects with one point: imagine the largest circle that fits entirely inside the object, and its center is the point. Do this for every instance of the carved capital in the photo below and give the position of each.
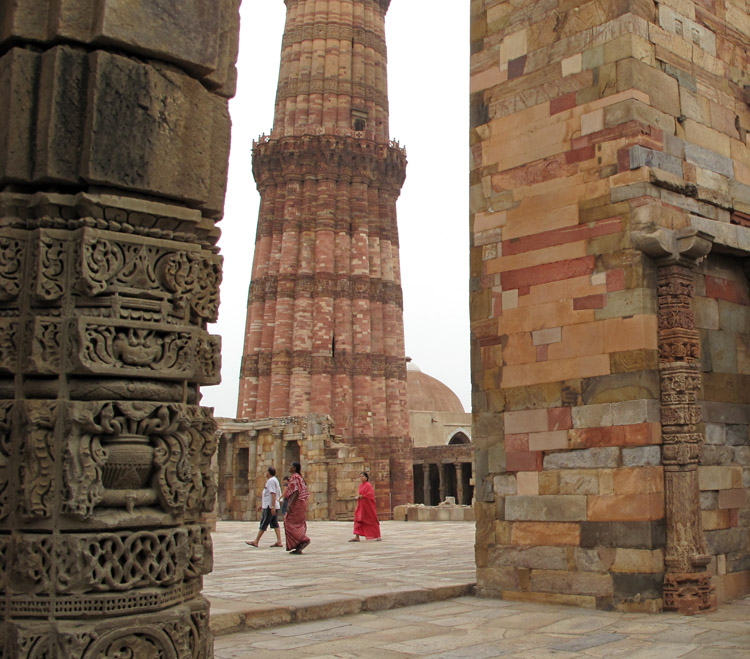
(667, 246)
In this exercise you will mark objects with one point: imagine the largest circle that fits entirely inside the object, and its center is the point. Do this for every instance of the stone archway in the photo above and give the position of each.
(459, 438)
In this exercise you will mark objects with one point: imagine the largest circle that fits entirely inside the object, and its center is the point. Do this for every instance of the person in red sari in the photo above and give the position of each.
(295, 520)
(366, 516)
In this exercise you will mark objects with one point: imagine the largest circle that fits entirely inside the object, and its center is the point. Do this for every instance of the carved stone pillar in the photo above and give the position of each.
(459, 483)
(687, 584)
(252, 467)
(112, 172)
(278, 451)
(426, 483)
(443, 481)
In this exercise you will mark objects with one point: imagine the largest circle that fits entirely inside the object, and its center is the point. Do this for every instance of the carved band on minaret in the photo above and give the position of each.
(687, 584)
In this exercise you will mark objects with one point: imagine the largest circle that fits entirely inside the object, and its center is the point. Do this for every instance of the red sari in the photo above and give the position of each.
(295, 520)
(366, 516)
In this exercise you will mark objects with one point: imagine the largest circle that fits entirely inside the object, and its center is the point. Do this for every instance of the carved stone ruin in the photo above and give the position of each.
(113, 157)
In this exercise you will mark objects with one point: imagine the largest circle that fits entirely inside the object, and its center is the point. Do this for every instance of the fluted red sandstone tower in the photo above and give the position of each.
(324, 328)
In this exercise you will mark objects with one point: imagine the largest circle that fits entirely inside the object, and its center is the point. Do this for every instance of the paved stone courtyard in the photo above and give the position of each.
(333, 601)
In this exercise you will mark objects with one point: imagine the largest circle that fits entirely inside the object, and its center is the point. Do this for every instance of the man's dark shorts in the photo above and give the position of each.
(268, 518)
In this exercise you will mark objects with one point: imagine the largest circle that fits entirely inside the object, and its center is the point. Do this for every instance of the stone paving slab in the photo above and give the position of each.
(478, 628)
(338, 598)
(415, 563)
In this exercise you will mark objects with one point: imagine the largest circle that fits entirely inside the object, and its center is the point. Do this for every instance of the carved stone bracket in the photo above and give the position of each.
(687, 585)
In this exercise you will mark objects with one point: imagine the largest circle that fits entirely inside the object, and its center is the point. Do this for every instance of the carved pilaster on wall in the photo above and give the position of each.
(687, 584)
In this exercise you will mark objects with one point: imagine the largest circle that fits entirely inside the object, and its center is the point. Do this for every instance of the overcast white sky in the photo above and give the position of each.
(428, 86)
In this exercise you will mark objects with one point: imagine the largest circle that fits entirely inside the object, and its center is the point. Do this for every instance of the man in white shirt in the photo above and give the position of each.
(270, 502)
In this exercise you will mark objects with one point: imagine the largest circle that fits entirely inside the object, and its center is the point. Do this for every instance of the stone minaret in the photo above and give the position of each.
(324, 327)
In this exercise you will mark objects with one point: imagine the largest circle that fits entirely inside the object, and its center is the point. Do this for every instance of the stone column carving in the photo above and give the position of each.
(113, 156)
(687, 584)
(426, 484)
(459, 483)
(252, 469)
(443, 481)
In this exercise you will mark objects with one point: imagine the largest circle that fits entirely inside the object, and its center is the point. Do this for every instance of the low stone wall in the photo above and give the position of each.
(441, 513)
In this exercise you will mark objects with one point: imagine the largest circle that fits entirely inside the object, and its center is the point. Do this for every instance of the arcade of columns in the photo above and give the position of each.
(324, 330)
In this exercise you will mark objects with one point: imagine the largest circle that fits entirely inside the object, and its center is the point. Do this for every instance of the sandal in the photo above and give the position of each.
(277, 544)
(252, 544)
(353, 539)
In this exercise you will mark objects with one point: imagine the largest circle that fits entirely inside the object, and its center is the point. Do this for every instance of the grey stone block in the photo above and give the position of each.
(573, 583)
(24, 18)
(550, 558)
(627, 535)
(725, 541)
(61, 116)
(738, 562)
(138, 112)
(706, 313)
(640, 156)
(737, 435)
(552, 508)
(716, 433)
(505, 484)
(740, 191)
(187, 37)
(590, 458)
(19, 78)
(734, 413)
(741, 455)
(628, 585)
(588, 560)
(635, 411)
(72, 19)
(709, 160)
(683, 77)
(722, 348)
(716, 455)
(709, 500)
(626, 192)
(641, 456)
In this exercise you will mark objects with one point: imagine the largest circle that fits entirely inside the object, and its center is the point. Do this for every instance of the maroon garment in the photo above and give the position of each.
(295, 520)
(366, 516)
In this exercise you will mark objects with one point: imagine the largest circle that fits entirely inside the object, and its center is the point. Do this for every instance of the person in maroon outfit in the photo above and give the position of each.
(295, 520)
(366, 516)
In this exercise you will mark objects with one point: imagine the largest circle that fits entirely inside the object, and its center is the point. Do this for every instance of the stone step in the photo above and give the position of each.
(320, 607)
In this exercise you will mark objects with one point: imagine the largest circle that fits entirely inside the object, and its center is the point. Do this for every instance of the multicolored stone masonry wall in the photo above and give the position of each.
(114, 138)
(324, 332)
(610, 198)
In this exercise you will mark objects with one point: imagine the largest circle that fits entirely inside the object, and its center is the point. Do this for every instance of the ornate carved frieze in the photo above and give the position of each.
(75, 563)
(6, 432)
(328, 156)
(368, 38)
(320, 85)
(11, 268)
(270, 287)
(37, 459)
(178, 633)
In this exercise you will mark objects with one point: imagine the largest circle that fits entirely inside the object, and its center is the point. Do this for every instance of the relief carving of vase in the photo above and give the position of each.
(129, 463)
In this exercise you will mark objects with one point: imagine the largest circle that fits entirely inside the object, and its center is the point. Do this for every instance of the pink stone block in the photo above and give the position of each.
(526, 421)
